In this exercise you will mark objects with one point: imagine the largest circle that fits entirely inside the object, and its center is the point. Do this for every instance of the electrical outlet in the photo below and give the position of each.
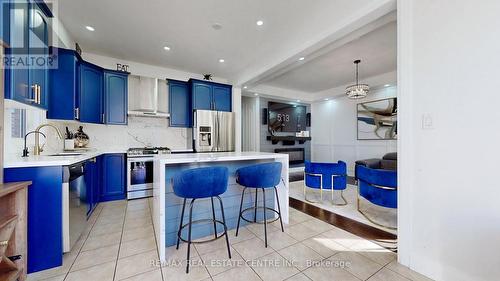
(427, 121)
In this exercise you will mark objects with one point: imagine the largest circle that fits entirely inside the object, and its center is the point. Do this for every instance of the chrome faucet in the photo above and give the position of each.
(37, 149)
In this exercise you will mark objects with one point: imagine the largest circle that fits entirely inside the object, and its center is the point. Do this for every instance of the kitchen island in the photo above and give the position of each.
(167, 206)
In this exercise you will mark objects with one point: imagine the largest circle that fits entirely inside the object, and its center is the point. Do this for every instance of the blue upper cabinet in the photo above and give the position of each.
(222, 97)
(208, 95)
(38, 45)
(83, 91)
(27, 33)
(17, 77)
(202, 96)
(113, 177)
(179, 104)
(115, 97)
(90, 94)
(4, 21)
(63, 85)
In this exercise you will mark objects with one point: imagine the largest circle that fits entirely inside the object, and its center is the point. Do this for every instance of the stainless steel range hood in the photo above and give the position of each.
(147, 97)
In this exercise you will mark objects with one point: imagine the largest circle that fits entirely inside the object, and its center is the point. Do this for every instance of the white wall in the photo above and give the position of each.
(236, 106)
(250, 124)
(334, 131)
(141, 69)
(449, 206)
(280, 93)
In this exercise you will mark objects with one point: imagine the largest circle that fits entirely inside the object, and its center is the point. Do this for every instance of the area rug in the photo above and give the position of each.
(381, 215)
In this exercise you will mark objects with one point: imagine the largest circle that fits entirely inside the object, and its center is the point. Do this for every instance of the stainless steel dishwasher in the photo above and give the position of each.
(75, 204)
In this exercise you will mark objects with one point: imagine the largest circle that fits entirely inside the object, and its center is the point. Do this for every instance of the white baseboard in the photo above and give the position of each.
(295, 169)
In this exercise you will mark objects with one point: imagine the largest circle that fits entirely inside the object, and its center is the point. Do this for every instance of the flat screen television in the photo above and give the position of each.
(284, 117)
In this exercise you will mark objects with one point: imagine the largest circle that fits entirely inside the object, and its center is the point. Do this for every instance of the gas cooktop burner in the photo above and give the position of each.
(142, 151)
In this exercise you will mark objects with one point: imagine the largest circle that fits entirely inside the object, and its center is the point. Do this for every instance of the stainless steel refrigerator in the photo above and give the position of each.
(213, 131)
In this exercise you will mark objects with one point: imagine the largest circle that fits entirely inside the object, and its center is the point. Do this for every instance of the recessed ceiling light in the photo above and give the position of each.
(326, 98)
(166, 48)
(89, 28)
(221, 60)
(387, 85)
(255, 94)
(298, 100)
(245, 87)
(217, 26)
(301, 58)
(260, 22)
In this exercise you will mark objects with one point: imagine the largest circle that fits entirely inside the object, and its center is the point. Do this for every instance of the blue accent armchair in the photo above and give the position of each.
(330, 176)
(377, 186)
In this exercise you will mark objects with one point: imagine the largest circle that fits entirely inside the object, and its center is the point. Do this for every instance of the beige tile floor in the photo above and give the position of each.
(119, 245)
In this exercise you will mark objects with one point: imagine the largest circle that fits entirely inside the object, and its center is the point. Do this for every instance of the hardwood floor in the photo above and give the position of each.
(381, 237)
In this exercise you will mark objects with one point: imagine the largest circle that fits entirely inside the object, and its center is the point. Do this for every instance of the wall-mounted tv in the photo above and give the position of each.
(284, 117)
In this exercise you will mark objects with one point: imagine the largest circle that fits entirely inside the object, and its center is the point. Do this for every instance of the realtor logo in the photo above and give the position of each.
(28, 33)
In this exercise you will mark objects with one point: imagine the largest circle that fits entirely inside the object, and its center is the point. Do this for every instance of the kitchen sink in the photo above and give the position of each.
(66, 154)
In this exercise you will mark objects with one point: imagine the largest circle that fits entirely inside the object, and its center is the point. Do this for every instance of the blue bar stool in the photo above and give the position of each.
(201, 183)
(260, 176)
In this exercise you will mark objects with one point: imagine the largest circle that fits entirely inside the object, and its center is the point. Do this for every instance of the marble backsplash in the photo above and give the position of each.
(139, 132)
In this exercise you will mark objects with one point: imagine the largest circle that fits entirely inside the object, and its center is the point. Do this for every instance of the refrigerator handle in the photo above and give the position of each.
(214, 131)
(217, 124)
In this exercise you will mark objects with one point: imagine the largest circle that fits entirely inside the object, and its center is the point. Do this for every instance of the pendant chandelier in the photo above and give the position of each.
(357, 91)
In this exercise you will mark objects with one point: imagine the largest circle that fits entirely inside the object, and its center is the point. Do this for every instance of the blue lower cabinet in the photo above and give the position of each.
(115, 97)
(45, 241)
(179, 104)
(113, 180)
(92, 183)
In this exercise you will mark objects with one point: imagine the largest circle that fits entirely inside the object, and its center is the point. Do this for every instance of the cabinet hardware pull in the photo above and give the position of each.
(77, 113)
(39, 94)
(33, 93)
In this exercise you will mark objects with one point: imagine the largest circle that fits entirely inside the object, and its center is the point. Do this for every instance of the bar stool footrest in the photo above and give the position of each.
(198, 222)
(259, 207)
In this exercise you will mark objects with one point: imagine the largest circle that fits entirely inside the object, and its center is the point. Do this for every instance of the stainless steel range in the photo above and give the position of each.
(140, 170)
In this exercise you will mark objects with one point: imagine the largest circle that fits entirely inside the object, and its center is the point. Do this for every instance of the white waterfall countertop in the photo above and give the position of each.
(163, 162)
(216, 157)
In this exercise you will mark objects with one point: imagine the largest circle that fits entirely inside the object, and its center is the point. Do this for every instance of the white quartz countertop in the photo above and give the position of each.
(15, 161)
(215, 157)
